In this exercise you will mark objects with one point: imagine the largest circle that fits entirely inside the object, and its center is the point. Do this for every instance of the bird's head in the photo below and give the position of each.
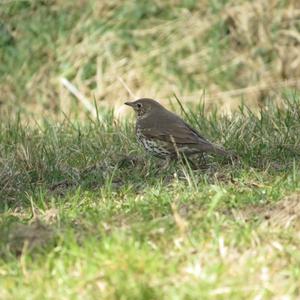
(144, 106)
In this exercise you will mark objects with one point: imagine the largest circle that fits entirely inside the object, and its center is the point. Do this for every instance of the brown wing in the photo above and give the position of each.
(170, 128)
(180, 133)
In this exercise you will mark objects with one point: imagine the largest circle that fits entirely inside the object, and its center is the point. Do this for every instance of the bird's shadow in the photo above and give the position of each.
(136, 171)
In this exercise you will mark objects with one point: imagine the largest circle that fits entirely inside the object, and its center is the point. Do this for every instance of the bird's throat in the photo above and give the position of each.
(142, 115)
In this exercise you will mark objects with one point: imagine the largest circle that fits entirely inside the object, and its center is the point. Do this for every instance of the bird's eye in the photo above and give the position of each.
(139, 105)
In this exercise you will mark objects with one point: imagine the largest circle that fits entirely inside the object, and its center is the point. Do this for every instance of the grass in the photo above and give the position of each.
(228, 49)
(86, 214)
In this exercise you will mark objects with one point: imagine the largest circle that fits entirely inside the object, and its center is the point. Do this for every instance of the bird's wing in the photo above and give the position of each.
(172, 129)
(178, 132)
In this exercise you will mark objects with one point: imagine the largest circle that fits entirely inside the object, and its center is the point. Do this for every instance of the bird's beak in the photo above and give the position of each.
(129, 103)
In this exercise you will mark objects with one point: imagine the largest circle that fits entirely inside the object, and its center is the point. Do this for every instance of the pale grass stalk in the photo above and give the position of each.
(79, 96)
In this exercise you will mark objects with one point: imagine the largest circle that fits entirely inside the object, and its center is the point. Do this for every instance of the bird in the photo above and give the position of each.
(165, 135)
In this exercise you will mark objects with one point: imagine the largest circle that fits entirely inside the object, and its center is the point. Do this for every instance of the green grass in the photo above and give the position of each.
(85, 214)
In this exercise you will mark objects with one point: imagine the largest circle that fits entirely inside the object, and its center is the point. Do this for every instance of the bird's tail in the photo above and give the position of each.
(220, 151)
(228, 154)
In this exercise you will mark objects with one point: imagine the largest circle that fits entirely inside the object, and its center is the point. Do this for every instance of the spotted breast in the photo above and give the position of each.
(155, 147)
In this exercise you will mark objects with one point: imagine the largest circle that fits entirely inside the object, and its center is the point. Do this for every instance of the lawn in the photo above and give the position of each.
(85, 213)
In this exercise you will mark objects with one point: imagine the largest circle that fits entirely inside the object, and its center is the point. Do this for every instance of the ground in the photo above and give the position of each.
(86, 213)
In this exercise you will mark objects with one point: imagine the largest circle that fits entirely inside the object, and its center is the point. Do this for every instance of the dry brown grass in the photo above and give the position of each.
(283, 214)
(163, 57)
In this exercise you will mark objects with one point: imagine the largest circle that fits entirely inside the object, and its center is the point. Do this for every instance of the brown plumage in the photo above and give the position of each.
(164, 134)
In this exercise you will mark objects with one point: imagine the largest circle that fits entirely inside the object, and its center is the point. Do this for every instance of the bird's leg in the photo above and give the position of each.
(203, 159)
(201, 162)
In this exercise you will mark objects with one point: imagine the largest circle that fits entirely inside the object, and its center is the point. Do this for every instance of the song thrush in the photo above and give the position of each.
(166, 135)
